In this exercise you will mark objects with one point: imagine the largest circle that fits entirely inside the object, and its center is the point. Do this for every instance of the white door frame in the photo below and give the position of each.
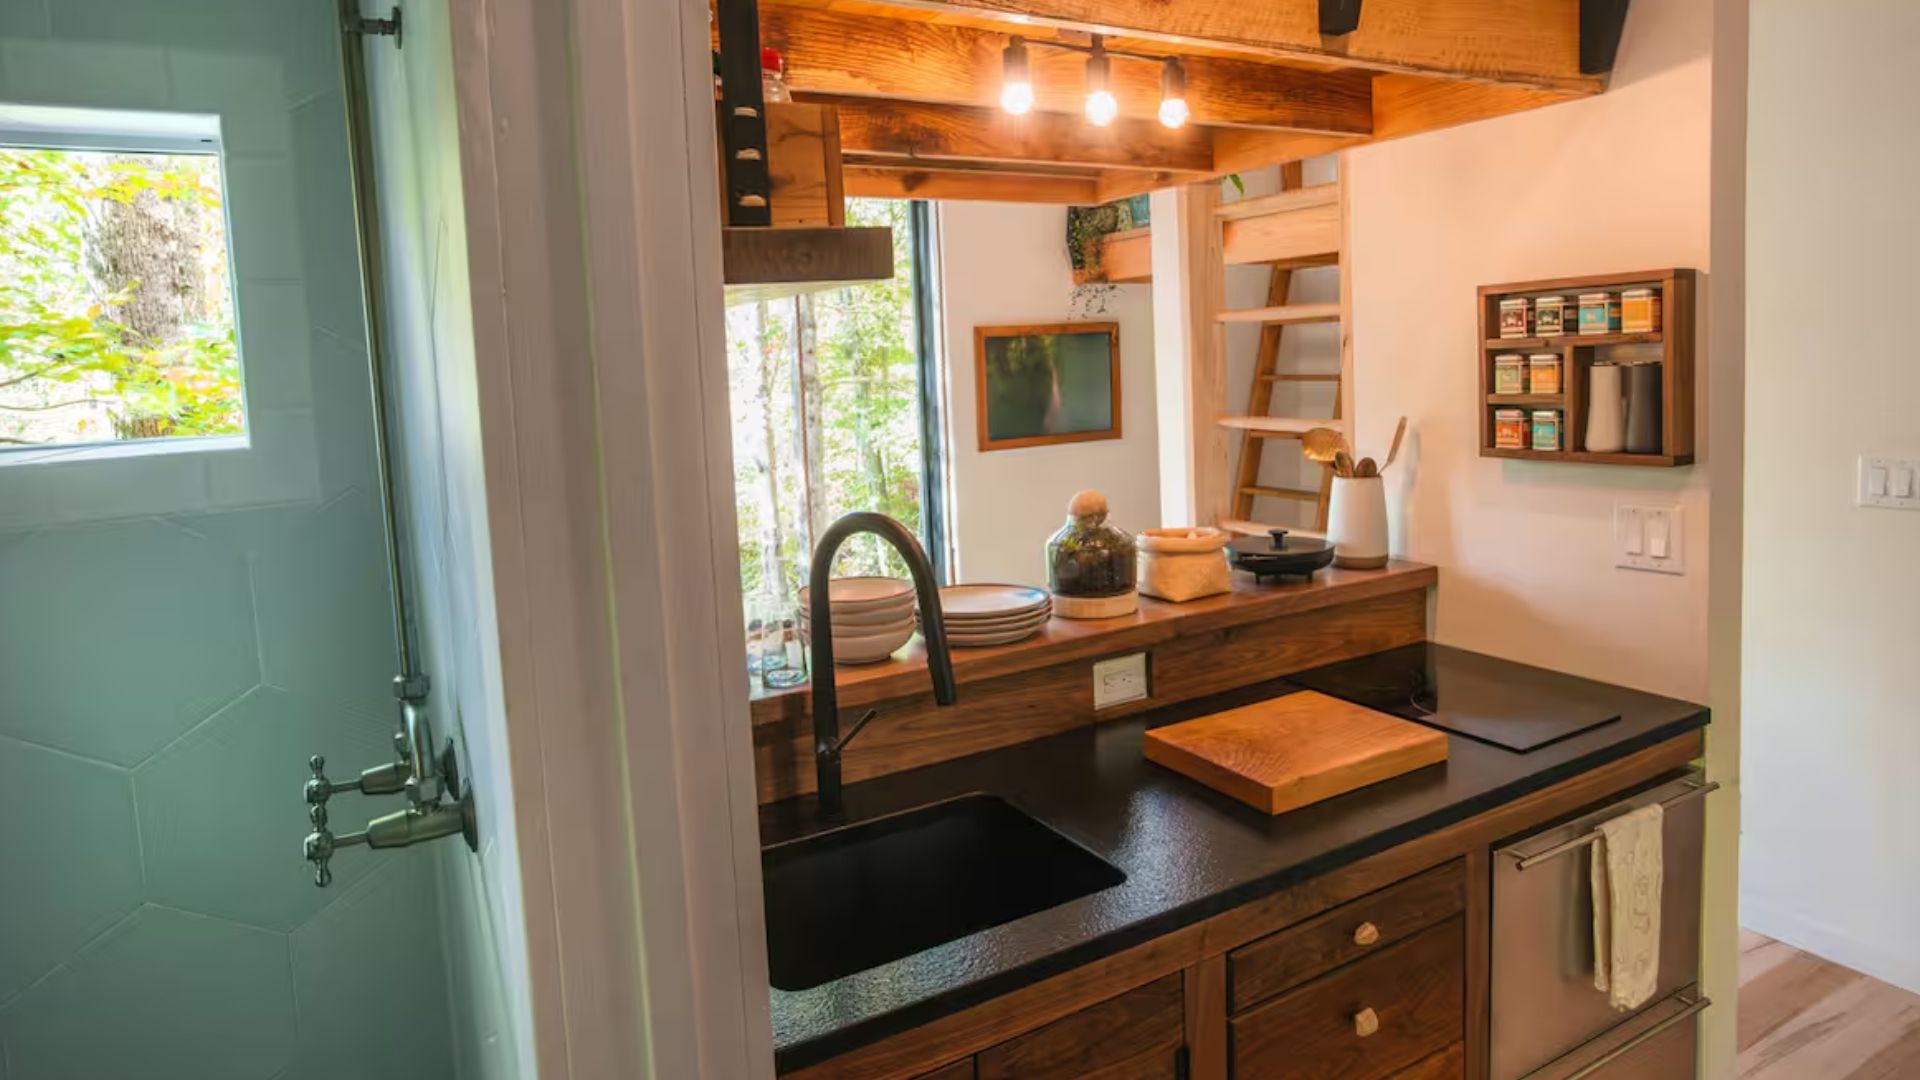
(587, 145)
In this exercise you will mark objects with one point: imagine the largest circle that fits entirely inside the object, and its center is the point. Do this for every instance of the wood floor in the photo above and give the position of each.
(1802, 1018)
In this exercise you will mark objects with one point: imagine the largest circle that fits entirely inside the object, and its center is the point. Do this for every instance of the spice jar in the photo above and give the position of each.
(1549, 316)
(1543, 373)
(1510, 429)
(1509, 374)
(1546, 429)
(1639, 311)
(1090, 563)
(1513, 317)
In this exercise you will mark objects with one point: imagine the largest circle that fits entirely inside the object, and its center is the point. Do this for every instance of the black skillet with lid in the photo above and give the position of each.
(1277, 555)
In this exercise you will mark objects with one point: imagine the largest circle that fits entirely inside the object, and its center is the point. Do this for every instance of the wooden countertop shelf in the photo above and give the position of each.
(1674, 343)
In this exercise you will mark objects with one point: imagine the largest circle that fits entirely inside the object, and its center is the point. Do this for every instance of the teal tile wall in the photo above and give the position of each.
(178, 633)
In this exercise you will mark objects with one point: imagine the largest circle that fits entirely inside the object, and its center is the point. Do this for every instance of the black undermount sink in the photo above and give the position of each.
(864, 895)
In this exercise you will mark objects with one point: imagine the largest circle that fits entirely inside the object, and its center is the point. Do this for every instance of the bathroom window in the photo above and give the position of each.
(116, 284)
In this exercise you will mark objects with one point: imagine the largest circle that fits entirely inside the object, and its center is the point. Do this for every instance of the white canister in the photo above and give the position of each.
(1357, 522)
(1606, 410)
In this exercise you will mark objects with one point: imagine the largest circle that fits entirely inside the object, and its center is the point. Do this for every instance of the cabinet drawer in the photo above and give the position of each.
(1413, 991)
(1286, 959)
(1136, 1036)
(1448, 1064)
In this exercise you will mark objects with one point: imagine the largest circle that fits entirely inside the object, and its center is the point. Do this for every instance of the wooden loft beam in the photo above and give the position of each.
(1410, 104)
(914, 182)
(1523, 42)
(863, 55)
(964, 133)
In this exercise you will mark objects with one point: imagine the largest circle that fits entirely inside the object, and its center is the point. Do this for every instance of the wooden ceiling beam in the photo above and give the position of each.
(915, 182)
(1522, 42)
(918, 132)
(854, 54)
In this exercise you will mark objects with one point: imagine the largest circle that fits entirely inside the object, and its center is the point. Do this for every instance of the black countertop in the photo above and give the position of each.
(1188, 851)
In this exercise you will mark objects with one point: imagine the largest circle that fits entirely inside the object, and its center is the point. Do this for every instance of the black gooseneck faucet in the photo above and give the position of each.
(828, 742)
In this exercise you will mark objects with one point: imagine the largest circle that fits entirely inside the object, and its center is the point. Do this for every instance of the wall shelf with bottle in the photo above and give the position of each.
(1620, 394)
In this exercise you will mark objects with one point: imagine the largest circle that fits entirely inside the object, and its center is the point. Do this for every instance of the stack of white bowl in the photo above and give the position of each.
(981, 615)
(872, 617)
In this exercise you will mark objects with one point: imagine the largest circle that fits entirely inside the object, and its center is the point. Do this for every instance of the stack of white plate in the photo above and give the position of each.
(872, 617)
(980, 615)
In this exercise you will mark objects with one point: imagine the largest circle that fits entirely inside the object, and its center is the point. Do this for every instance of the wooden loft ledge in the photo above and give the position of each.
(917, 83)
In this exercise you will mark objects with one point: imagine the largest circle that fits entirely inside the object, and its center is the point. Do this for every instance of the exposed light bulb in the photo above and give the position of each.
(1016, 77)
(1017, 98)
(1173, 94)
(1101, 107)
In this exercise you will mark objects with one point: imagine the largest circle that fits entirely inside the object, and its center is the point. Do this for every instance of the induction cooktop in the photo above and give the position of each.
(1492, 701)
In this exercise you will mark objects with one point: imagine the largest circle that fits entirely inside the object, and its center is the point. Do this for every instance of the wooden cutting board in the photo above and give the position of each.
(1282, 754)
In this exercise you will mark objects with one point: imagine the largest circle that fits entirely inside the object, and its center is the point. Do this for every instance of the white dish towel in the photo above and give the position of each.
(1627, 865)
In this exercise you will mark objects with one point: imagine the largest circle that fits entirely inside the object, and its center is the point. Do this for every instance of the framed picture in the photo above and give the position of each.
(1054, 383)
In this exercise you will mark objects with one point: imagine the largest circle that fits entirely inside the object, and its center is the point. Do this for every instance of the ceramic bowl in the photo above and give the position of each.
(864, 593)
(869, 648)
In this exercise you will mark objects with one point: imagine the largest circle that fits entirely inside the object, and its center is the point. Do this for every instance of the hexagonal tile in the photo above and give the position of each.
(71, 853)
(118, 638)
(222, 817)
(168, 994)
(400, 1019)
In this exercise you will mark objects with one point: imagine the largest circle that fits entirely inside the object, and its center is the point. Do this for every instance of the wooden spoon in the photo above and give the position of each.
(1321, 444)
(1399, 432)
(1366, 468)
(1342, 464)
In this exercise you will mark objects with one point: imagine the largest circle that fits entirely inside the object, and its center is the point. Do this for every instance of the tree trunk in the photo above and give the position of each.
(772, 573)
(813, 450)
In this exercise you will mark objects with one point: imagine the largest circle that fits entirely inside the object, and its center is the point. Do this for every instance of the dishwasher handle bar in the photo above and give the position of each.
(1585, 839)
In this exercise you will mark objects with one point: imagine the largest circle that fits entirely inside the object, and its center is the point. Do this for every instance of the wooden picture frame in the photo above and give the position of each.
(997, 430)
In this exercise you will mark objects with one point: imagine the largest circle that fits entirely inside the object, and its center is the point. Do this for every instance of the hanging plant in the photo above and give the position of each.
(1087, 226)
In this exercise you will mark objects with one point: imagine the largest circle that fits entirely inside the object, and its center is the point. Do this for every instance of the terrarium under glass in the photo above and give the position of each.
(1091, 563)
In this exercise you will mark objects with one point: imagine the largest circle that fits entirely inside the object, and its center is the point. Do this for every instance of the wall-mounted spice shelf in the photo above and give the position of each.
(1671, 344)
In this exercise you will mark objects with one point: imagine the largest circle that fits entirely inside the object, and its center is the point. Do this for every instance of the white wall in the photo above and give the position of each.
(1000, 264)
(434, 383)
(1831, 850)
(1619, 182)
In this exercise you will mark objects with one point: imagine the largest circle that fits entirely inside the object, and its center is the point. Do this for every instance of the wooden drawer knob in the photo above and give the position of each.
(1365, 1022)
(1366, 934)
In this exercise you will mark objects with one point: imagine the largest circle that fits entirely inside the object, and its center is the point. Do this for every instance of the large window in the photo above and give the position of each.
(834, 410)
(116, 293)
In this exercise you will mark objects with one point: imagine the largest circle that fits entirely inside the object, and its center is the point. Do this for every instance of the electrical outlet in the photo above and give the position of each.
(1120, 680)
(1649, 538)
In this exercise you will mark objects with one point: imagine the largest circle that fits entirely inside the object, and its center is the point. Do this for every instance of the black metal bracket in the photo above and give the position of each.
(1339, 17)
(743, 121)
(388, 27)
(1601, 22)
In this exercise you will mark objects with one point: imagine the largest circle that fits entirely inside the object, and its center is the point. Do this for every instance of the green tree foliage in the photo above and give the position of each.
(116, 316)
(845, 358)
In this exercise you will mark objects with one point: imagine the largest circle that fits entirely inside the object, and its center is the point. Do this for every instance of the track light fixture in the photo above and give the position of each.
(1016, 80)
(1173, 93)
(1101, 107)
(1016, 77)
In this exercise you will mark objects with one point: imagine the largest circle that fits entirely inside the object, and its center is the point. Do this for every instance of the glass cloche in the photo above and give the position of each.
(1090, 563)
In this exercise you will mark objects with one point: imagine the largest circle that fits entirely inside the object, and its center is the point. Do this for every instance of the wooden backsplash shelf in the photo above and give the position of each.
(1044, 685)
(1674, 340)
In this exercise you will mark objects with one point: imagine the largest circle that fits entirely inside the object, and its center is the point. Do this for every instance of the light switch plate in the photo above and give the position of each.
(1888, 482)
(1650, 538)
(1119, 680)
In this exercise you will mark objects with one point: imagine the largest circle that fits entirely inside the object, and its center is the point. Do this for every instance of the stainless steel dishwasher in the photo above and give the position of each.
(1549, 1023)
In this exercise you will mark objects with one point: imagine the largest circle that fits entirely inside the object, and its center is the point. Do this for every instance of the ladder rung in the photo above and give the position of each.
(1280, 202)
(1280, 427)
(1296, 494)
(1292, 376)
(1284, 315)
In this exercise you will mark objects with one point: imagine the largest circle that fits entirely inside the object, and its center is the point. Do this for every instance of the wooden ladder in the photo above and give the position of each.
(1299, 211)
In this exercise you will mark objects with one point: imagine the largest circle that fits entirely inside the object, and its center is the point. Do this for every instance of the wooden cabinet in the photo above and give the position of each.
(1367, 1020)
(1136, 1036)
(959, 1070)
